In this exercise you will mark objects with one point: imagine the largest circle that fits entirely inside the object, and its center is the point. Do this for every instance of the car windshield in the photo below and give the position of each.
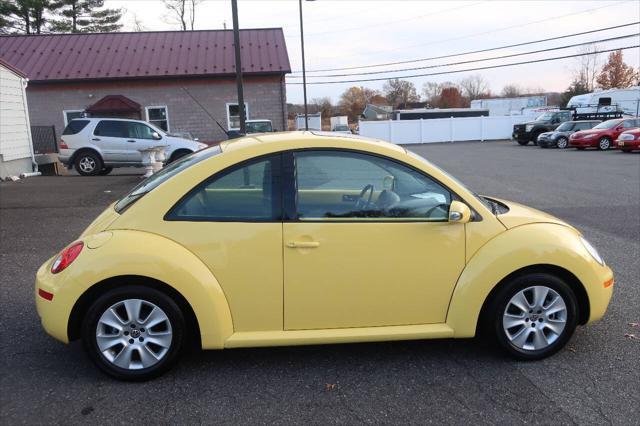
(164, 175)
(486, 202)
(565, 126)
(607, 124)
(259, 127)
(545, 117)
(341, 128)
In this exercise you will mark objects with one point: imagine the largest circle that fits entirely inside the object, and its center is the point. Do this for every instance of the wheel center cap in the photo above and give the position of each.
(135, 333)
(534, 317)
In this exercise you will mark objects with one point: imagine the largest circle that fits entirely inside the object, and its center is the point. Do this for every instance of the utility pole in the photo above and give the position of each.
(304, 72)
(236, 41)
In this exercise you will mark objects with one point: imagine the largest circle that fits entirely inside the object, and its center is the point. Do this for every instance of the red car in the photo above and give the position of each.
(603, 135)
(629, 141)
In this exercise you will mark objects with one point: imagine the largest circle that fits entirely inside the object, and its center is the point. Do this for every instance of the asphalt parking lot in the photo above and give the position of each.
(594, 380)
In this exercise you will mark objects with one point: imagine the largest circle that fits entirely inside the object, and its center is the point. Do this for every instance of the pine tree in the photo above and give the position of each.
(24, 16)
(86, 16)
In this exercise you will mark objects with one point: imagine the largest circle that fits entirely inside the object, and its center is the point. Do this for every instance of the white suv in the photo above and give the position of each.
(94, 146)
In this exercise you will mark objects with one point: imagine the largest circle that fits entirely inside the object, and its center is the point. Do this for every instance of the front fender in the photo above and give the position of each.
(126, 252)
(517, 248)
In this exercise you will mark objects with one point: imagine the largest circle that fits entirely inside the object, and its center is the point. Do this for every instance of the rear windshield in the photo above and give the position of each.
(164, 175)
(75, 126)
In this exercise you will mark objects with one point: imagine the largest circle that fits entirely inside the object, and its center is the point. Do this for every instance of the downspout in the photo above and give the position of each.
(25, 83)
(283, 105)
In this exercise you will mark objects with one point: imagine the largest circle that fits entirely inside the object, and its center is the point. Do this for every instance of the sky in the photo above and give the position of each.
(351, 33)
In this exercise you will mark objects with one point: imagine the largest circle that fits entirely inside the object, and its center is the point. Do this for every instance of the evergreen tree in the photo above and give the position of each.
(24, 16)
(86, 16)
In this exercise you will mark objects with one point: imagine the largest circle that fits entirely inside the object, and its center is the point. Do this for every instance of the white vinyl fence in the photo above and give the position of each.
(443, 129)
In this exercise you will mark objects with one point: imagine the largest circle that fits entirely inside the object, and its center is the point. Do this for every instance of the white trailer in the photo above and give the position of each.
(315, 121)
(339, 122)
(510, 106)
(625, 100)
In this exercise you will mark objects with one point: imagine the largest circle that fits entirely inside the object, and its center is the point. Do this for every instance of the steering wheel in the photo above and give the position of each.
(361, 203)
(442, 206)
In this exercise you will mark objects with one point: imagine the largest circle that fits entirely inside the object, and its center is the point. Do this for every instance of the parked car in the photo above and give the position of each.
(302, 238)
(560, 136)
(94, 146)
(602, 135)
(342, 128)
(550, 120)
(629, 140)
(252, 126)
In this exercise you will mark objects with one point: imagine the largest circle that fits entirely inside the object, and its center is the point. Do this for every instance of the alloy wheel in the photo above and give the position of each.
(87, 164)
(534, 318)
(562, 143)
(604, 144)
(134, 334)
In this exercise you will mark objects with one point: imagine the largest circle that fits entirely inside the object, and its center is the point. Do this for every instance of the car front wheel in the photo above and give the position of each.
(523, 142)
(533, 316)
(562, 143)
(133, 333)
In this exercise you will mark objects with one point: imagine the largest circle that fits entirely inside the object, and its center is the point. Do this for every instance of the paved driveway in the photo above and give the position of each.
(595, 380)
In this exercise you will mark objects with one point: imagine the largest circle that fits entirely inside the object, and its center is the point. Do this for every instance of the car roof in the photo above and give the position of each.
(110, 119)
(309, 138)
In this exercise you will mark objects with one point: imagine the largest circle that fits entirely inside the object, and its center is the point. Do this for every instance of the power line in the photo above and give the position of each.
(343, 30)
(378, 51)
(475, 60)
(473, 69)
(474, 51)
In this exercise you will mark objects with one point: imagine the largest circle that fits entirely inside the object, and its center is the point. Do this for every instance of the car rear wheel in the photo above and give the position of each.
(562, 142)
(533, 316)
(133, 333)
(88, 163)
(604, 144)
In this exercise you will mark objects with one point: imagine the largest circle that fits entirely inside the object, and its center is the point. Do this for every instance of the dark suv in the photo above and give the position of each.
(560, 136)
(526, 132)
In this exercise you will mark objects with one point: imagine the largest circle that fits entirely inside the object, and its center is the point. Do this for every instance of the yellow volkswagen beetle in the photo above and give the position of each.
(303, 238)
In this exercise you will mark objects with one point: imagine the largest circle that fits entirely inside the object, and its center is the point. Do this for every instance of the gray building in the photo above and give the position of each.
(180, 81)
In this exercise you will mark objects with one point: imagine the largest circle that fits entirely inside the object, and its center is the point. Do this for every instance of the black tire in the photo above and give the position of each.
(523, 143)
(498, 305)
(534, 139)
(604, 143)
(105, 171)
(562, 142)
(88, 163)
(179, 154)
(147, 295)
(626, 151)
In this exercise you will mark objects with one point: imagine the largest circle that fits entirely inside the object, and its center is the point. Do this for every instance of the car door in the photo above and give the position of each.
(232, 222)
(369, 244)
(111, 136)
(139, 137)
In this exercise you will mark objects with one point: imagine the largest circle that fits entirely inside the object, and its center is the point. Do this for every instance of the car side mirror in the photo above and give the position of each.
(156, 136)
(459, 212)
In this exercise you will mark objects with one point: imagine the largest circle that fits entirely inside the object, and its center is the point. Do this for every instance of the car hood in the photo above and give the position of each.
(520, 214)
(587, 132)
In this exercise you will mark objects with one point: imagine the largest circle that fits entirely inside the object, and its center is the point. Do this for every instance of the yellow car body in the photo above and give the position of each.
(293, 282)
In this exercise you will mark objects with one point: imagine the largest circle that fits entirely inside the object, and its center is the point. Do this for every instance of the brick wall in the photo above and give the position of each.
(265, 95)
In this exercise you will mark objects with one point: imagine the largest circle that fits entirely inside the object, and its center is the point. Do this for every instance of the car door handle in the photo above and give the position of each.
(131, 140)
(96, 139)
(303, 244)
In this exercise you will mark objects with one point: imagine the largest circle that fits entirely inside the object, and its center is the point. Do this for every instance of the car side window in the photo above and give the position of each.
(250, 192)
(359, 187)
(139, 131)
(112, 128)
(582, 126)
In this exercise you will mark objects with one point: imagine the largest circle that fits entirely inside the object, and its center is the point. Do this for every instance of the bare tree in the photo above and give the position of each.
(136, 23)
(400, 92)
(474, 86)
(182, 12)
(588, 65)
(431, 91)
(323, 105)
(511, 91)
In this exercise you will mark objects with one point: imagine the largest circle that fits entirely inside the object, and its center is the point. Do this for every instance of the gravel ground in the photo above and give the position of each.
(594, 380)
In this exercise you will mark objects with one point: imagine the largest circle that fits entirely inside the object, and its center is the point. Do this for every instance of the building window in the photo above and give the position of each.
(158, 116)
(70, 114)
(233, 116)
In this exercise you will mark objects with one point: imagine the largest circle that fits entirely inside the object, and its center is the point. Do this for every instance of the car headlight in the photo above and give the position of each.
(592, 250)
(589, 136)
(528, 127)
(627, 137)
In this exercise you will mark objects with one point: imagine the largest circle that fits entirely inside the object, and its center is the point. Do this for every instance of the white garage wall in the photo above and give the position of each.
(443, 129)
(15, 137)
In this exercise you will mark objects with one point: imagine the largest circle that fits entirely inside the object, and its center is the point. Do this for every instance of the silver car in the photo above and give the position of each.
(94, 146)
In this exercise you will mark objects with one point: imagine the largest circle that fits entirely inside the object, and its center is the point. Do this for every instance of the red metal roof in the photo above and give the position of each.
(65, 57)
(12, 68)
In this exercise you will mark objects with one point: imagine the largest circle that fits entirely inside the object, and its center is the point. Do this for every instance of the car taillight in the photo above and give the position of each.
(66, 257)
(63, 144)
